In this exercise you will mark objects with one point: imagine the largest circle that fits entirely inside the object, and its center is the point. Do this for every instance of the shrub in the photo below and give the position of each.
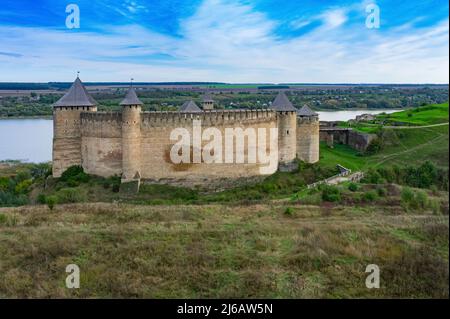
(407, 195)
(353, 187)
(9, 221)
(114, 183)
(381, 191)
(3, 219)
(289, 211)
(434, 190)
(42, 170)
(23, 187)
(373, 176)
(370, 196)
(22, 175)
(10, 199)
(71, 195)
(331, 193)
(374, 146)
(4, 183)
(41, 199)
(71, 172)
(116, 188)
(435, 206)
(423, 176)
(51, 201)
(74, 176)
(312, 199)
(414, 200)
(421, 199)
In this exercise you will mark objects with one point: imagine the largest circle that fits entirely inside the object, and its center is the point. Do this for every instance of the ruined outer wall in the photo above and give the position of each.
(308, 139)
(101, 143)
(155, 144)
(360, 141)
(357, 140)
(67, 138)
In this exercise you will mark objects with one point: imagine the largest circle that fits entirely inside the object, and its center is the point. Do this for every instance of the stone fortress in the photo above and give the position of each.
(136, 145)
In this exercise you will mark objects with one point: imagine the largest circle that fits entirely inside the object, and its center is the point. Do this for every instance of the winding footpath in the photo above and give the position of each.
(422, 126)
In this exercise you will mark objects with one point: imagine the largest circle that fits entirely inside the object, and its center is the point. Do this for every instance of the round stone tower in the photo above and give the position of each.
(131, 137)
(207, 102)
(307, 135)
(287, 132)
(67, 127)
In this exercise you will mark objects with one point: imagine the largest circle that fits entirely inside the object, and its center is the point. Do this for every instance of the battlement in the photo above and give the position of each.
(211, 117)
(100, 116)
(307, 119)
(101, 124)
(75, 108)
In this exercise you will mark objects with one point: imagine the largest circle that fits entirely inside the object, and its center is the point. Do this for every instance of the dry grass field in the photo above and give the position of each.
(277, 250)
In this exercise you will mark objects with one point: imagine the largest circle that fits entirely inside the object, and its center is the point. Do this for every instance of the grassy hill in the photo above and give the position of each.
(408, 144)
(425, 115)
(400, 147)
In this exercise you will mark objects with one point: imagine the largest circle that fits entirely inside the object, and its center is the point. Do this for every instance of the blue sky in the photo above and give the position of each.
(225, 40)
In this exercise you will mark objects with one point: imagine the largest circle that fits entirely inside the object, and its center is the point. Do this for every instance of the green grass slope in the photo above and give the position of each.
(425, 115)
(401, 146)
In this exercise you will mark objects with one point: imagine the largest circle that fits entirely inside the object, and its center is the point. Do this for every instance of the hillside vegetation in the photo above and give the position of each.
(408, 144)
(424, 115)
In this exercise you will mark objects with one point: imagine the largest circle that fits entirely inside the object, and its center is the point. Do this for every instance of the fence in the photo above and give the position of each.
(356, 177)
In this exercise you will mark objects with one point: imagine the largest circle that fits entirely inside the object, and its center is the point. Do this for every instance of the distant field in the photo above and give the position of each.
(232, 86)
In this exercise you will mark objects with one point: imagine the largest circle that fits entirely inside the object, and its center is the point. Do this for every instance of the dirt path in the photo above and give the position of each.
(390, 156)
(412, 127)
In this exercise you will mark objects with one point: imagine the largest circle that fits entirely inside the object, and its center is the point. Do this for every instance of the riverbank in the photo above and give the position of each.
(37, 117)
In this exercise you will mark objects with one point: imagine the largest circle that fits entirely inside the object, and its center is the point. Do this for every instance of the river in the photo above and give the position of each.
(348, 114)
(30, 140)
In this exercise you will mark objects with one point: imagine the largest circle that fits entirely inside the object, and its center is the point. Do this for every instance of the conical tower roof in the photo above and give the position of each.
(306, 111)
(131, 98)
(76, 96)
(282, 103)
(190, 107)
(207, 98)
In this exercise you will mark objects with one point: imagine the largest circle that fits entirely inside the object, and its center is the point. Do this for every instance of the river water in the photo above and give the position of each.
(348, 115)
(30, 140)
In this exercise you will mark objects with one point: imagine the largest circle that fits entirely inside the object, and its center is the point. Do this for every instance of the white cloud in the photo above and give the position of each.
(134, 7)
(300, 23)
(230, 42)
(334, 18)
